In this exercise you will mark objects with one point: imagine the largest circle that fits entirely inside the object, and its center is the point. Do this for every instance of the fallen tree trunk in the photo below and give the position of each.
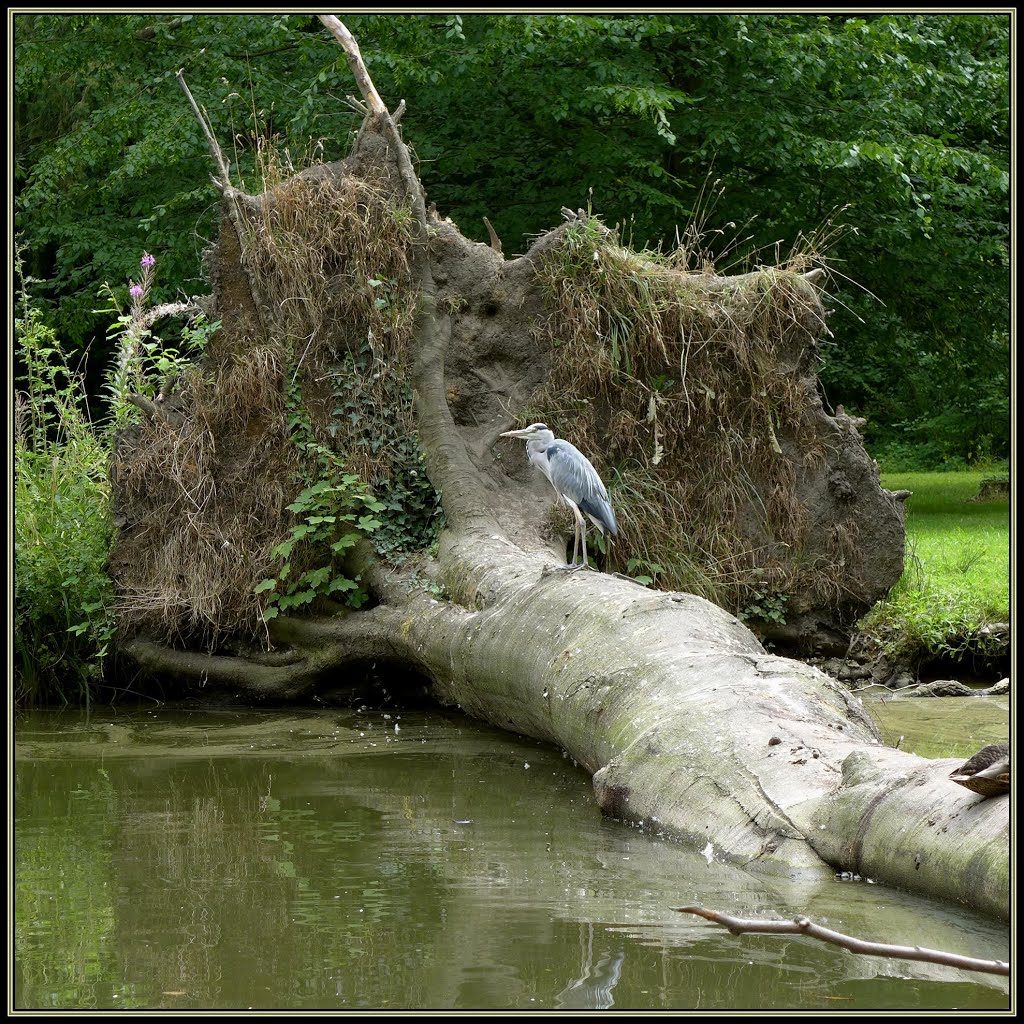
(687, 725)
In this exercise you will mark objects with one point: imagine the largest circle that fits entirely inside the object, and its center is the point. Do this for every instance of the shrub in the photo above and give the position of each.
(63, 618)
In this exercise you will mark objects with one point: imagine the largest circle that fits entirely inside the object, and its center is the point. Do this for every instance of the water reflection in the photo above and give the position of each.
(594, 989)
(325, 860)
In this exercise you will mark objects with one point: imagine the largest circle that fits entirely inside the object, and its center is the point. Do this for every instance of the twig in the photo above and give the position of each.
(166, 309)
(215, 150)
(357, 105)
(224, 181)
(804, 926)
(167, 387)
(235, 199)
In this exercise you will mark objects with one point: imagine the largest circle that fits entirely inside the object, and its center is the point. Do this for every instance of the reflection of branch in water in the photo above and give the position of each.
(593, 989)
(804, 926)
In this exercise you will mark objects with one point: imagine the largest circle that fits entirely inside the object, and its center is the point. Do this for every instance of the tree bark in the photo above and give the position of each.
(687, 725)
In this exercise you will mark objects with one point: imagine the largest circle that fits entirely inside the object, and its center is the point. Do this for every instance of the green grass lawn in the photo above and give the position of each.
(957, 574)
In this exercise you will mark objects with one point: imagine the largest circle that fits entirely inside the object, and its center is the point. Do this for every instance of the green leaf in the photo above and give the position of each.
(347, 541)
(314, 577)
(341, 583)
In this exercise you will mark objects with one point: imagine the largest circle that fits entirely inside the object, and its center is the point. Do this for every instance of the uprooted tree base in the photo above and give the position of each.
(696, 394)
(353, 320)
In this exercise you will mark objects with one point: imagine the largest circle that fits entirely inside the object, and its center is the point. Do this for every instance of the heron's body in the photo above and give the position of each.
(574, 479)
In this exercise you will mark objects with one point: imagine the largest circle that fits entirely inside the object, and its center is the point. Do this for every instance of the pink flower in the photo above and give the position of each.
(147, 261)
(135, 291)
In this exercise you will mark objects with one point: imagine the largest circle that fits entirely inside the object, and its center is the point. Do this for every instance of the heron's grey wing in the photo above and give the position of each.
(573, 475)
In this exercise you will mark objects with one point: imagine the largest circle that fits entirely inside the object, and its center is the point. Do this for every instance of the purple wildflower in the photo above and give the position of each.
(147, 261)
(135, 291)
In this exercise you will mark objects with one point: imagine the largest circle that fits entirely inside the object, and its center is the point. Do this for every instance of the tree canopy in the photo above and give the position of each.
(881, 141)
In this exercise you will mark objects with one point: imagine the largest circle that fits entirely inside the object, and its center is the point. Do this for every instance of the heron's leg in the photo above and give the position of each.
(579, 535)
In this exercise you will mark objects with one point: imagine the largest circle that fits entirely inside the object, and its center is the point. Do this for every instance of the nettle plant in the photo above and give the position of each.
(63, 603)
(765, 605)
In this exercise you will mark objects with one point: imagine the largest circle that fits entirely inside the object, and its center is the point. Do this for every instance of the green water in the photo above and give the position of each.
(939, 726)
(324, 860)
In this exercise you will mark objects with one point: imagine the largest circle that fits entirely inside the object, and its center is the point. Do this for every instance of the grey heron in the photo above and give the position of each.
(574, 479)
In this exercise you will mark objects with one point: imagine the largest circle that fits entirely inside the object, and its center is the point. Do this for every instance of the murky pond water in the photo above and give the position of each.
(939, 726)
(338, 860)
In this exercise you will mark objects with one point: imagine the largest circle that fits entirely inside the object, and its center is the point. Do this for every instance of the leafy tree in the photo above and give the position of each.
(766, 121)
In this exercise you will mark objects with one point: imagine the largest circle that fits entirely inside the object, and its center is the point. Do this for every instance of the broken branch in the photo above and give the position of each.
(804, 926)
(355, 62)
(156, 412)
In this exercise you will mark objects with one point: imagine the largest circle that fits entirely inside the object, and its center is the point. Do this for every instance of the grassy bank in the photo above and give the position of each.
(957, 575)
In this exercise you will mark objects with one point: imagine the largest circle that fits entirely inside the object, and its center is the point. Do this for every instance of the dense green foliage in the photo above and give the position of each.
(881, 138)
(63, 616)
(957, 577)
(64, 607)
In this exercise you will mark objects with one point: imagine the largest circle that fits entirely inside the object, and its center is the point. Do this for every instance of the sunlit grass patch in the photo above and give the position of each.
(957, 575)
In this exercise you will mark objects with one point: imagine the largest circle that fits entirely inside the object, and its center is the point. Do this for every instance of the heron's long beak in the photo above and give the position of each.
(515, 433)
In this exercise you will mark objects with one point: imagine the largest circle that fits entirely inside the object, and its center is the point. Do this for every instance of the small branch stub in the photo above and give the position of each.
(154, 411)
(495, 240)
